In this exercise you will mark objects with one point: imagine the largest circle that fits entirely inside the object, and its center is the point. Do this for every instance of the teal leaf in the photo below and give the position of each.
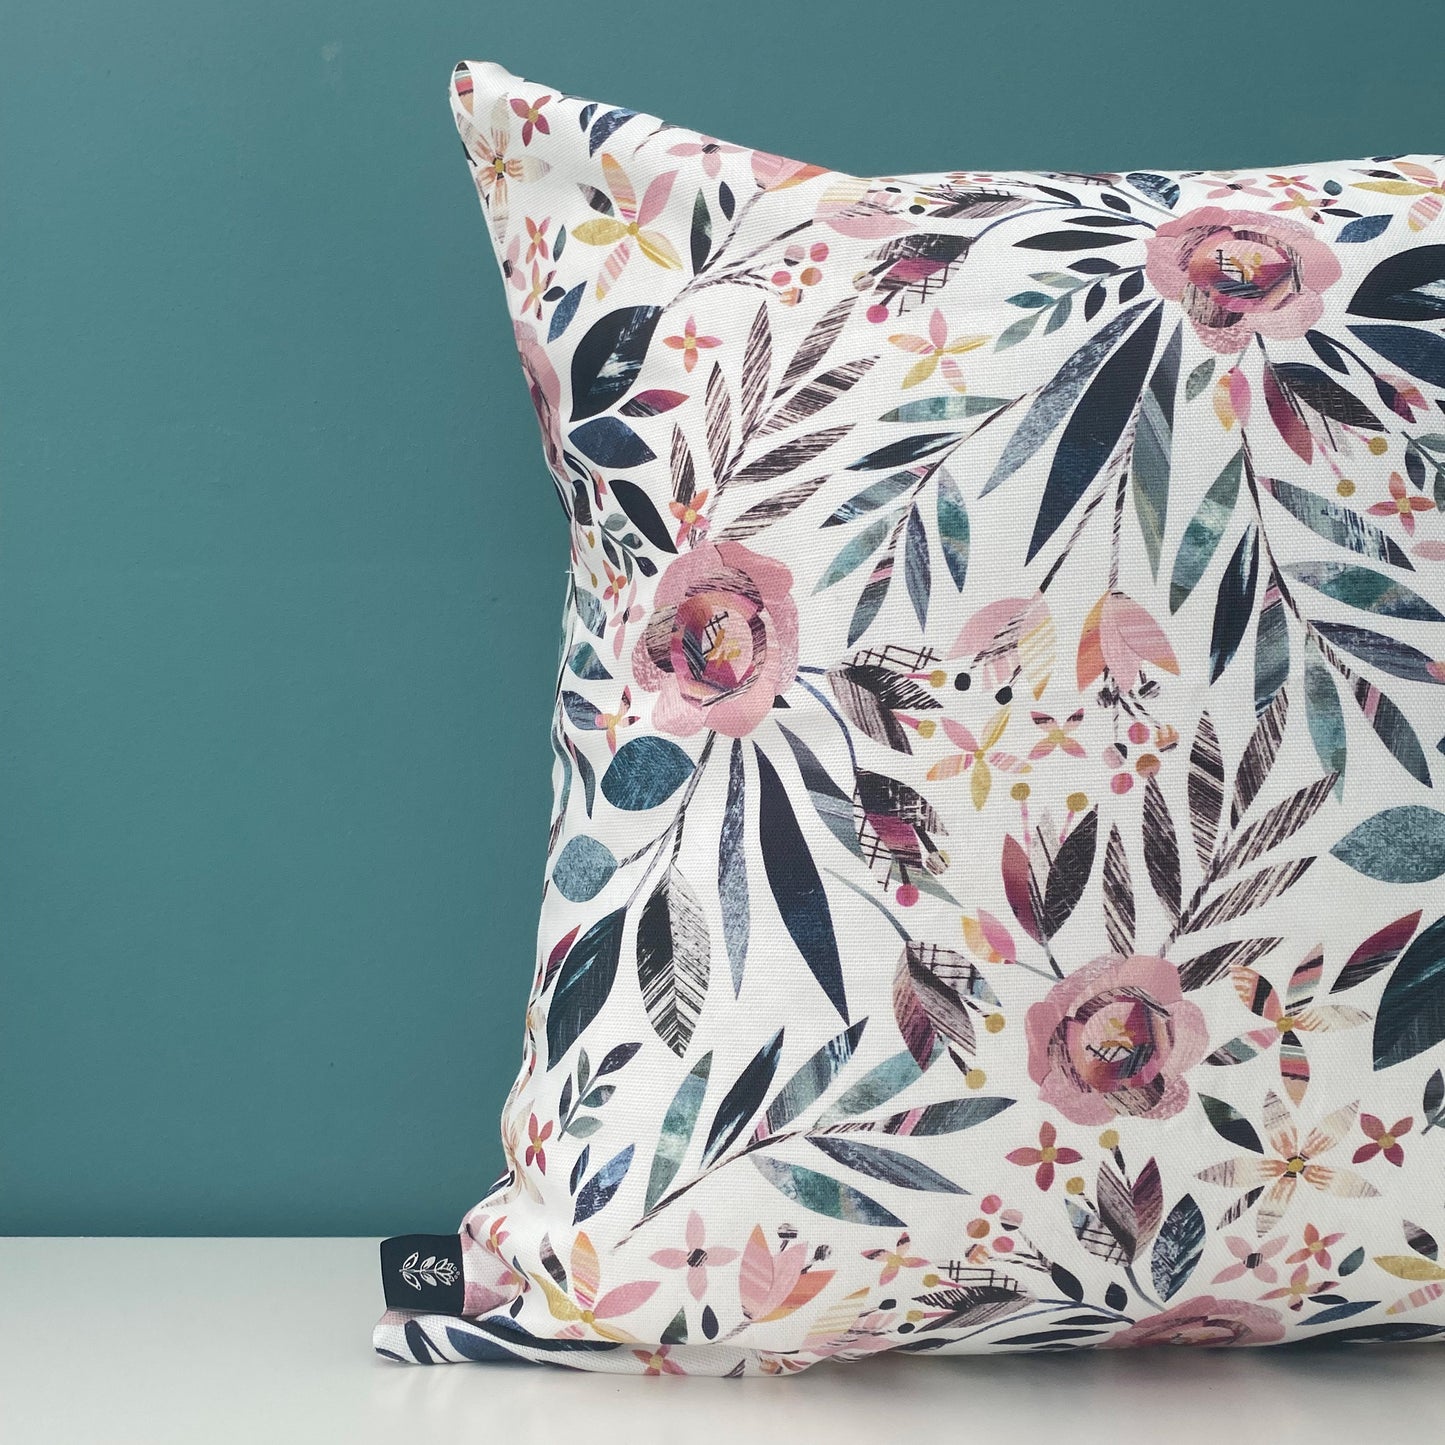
(1400, 845)
(870, 600)
(812, 1080)
(944, 408)
(876, 1087)
(1411, 1015)
(855, 552)
(1366, 589)
(1153, 441)
(903, 453)
(953, 528)
(1324, 715)
(1389, 654)
(583, 869)
(1199, 378)
(876, 494)
(1202, 535)
(823, 1195)
(583, 660)
(584, 981)
(917, 568)
(677, 1128)
(646, 771)
(1235, 603)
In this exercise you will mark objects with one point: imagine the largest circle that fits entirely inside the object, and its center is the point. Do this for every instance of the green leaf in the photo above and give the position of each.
(856, 552)
(944, 408)
(1399, 845)
(953, 528)
(1153, 441)
(823, 1195)
(1199, 378)
(677, 1127)
(1366, 589)
(1324, 715)
(1202, 535)
(876, 1087)
(876, 494)
(1411, 1016)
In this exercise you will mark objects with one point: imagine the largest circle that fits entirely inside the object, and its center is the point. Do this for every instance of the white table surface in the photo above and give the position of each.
(267, 1342)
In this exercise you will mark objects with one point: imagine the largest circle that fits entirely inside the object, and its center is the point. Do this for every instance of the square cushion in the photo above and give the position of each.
(994, 896)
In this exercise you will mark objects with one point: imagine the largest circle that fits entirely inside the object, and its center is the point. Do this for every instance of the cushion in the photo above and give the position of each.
(994, 895)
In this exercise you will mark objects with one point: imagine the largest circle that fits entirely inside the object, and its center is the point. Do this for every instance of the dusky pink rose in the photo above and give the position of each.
(545, 390)
(721, 643)
(1241, 272)
(1203, 1320)
(1117, 1037)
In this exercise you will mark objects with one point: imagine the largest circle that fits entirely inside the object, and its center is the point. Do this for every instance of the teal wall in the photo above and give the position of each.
(279, 564)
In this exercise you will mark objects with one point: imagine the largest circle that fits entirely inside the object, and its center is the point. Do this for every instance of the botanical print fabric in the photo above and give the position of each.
(994, 899)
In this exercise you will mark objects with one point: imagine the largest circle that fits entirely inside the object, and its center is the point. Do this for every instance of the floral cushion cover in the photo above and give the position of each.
(994, 898)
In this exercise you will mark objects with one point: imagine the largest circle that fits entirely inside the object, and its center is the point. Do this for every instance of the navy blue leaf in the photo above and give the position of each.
(744, 1099)
(1070, 241)
(605, 126)
(565, 310)
(1411, 1016)
(1156, 187)
(1177, 1250)
(473, 1346)
(642, 513)
(1421, 353)
(597, 1192)
(647, 771)
(1364, 229)
(1404, 287)
(797, 889)
(901, 453)
(1230, 1124)
(1095, 428)
(1235, 604)
(420, 1345)
(609, 356)
(610, 442)
(583, 982)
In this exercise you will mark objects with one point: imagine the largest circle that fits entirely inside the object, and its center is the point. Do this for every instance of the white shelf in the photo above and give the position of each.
(267, 1342)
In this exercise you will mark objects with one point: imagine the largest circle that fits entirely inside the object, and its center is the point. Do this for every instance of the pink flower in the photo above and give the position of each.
(1238, 273)
(936, 352)
(1316, 1246)
(771, 1286)
(776, 173)
(709, 148)
(1206, 1321)
(589, 1307)
(1251, 1259)
(1121, 636)
(867, 212)
(895, 1259)
(1117, 1037)
(689, 343)
(536, 1143)
(696, 1258)
(1299, 1288)
(1049, 1153)
(530, 113)
(1401, 504)
(658, 1361)
(722, 641)
(1006, 638)
(1382, 1140)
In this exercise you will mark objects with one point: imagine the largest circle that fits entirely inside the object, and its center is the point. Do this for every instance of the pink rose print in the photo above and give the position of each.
(1238, 273)
(721, 643)
(1117, 1037)
(545, 390)
(1204, 1321)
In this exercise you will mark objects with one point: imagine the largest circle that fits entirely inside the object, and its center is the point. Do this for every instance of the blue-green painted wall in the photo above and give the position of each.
(280, 566)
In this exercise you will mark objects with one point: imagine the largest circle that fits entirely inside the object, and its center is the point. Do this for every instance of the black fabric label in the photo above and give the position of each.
(423, 1272)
